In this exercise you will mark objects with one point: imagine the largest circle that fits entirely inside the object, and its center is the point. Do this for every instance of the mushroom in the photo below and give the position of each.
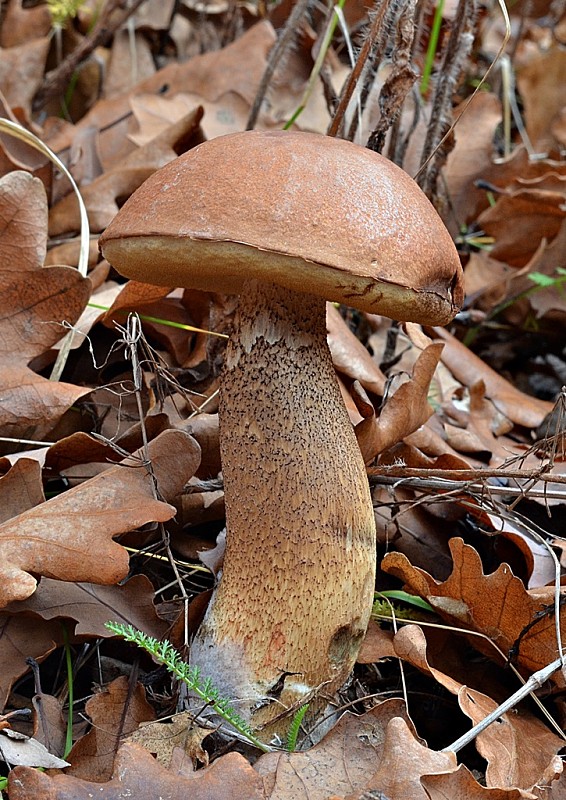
(288, 220)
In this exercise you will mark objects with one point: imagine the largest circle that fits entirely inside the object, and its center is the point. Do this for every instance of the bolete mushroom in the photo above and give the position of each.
(288, 220)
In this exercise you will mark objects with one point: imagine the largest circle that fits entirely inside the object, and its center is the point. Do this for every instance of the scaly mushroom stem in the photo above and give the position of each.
(296, 591)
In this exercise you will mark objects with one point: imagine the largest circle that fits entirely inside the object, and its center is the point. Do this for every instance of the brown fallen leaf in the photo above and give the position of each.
(403, 762)
(520, 408)
(520, 220)
(70, 536)
(22, 637)
(405, 410)
(36, 301)
(20, 488)
(115, 712)
(138, 775)
(161, 739)
(497, 605)
(518, 747)
(461, 785)
(91, 605)
(341, 763)
(350, 357)
(21, 72)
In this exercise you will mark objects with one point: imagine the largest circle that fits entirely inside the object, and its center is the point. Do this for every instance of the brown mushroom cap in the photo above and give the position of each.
(308, 212)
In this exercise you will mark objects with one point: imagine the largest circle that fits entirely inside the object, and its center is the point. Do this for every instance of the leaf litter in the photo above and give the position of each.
(107, 499)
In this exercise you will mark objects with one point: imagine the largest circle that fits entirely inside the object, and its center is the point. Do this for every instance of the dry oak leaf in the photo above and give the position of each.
(181, 732)
(115, 712)
(138, 775)
(461, 785)
(520, 750)
(497, 605)
(92, 605)
(35, 301)
(69, 537)
(403, 762)
(520, 408)
(23, 636)
(341, 763)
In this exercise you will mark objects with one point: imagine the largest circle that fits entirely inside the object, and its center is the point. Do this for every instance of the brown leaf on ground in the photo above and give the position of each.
(543, 91)
(138, 775)
(520, 220)
(497, 605)
(70, 537)
(115, 712)
(461, 785)
(350, 357)
(520, 408)
(36, 301)
(21, 488)
(161, 739)
(403, 763)
(20, 638)
(91, 605)
(21, 24)
(50, 723)
(471, 158)
(223, 82)
(21, 72)
(341, 763)
(518, 747)
(377, 645)
(405, 410)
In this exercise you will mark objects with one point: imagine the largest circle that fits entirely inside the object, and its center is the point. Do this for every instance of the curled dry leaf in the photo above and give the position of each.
(341, 763)
(69, 537)
(497, 605)
(36, 300)
(404, 411)
(520, 408)
(92, 605)
(518, 748)
(138, 775)
(116, 711)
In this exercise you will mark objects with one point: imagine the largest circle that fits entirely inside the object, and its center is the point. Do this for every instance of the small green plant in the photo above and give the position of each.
(407, 606)
(164, 653)
(295, 727)
(62, 11)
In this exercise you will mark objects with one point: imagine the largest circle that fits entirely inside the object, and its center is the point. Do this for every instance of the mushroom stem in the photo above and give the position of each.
(295, 595)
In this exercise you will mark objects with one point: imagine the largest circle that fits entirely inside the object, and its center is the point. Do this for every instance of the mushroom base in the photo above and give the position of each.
(293, 603)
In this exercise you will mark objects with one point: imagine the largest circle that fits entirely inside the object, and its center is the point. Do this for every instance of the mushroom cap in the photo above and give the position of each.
(312, 213)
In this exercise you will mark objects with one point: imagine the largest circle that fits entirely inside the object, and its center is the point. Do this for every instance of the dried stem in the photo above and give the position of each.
(286, 38)
(349, 87)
